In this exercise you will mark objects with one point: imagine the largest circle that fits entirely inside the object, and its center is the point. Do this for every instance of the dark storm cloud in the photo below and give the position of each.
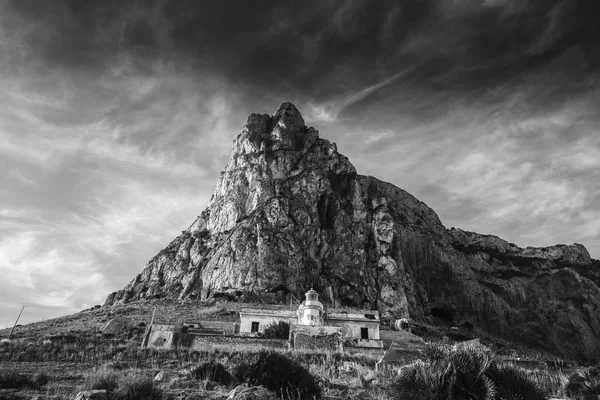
(117, 116)
(324, 47)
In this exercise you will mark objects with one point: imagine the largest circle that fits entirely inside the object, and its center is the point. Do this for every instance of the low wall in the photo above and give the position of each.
(199, 342)
(371, 343)
(165, 337)
(316, 330)
(304, 341)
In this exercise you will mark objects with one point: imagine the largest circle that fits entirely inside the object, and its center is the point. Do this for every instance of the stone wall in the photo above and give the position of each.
(304, 341)
(199, 342)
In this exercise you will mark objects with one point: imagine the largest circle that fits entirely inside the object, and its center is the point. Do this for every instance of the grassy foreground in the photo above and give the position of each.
(61, 370)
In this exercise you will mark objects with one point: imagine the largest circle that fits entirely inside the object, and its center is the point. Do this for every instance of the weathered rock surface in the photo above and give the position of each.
(290, 212)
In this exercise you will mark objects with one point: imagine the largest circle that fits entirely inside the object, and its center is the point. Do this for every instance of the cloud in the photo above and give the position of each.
(117, 117)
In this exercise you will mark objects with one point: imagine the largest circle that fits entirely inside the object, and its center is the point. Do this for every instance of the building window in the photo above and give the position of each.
(364, 333)
(254, 328)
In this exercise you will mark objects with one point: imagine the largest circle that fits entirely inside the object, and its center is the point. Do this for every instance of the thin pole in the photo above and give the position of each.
(153, 312)
(13, 328)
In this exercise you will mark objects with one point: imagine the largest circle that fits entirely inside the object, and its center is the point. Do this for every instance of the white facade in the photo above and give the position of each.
(254, 321)
(357, 324)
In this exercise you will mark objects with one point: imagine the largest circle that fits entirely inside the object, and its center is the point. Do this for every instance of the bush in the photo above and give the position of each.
(14, 380)
(584, 385)
(277, 330)
(102, 380)
(466, 373)
(419, 381)
(212, 371)
(283, 376)
(133, 387)
(511, 383)
(123, 386)
(40, 379)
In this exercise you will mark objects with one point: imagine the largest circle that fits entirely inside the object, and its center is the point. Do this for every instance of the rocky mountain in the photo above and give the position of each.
(290, 212)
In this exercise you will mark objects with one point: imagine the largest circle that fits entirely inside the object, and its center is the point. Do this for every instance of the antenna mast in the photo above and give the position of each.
(13, 328)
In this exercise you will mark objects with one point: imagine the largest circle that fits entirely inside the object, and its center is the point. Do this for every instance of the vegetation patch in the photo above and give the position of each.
(124, 386)
(284, 376)
(584, 385)
(212, 371)
(14, 380)
(465, 373)
(277, 330)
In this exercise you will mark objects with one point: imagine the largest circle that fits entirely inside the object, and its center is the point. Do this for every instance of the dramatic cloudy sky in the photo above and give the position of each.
(116, 117)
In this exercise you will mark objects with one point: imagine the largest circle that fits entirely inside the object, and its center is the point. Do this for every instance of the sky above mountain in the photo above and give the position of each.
(117, 117)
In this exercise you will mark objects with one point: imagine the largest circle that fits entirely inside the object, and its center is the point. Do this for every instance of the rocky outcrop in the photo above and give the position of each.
(290, 212)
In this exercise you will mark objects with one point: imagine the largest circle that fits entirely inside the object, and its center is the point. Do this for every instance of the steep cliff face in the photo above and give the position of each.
(289, 212)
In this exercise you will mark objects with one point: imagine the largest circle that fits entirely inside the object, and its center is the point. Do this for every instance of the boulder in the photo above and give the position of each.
(117, 326)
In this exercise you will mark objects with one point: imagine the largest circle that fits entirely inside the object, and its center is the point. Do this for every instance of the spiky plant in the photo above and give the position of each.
(466, 371)
(512, 384)
(421, 381)
(435, 352)
(584, 385)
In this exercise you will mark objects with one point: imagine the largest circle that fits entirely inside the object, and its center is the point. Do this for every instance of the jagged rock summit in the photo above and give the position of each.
(290, 212)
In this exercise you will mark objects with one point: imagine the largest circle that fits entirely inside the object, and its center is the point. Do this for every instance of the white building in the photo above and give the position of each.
(355, 324)
(255, 320)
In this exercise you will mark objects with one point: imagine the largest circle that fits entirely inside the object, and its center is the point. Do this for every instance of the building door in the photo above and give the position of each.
(364, 333)
(254, 328)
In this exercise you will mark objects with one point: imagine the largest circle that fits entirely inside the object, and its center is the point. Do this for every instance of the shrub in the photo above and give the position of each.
(284, 376)
(420, 381)
(512, 383)
(14, 380)
(212, 371)
(134, 387)
(121, 386)
(584, 385)
(241, 371)
(464, 373)
(277, 330)
(102, 380)
(40, 379)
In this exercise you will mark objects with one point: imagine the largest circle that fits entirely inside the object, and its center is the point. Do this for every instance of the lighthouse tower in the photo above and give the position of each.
(310, 312)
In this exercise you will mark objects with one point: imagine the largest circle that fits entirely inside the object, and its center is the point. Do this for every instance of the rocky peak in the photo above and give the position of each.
(287, 120)
(290, 212)
(285, 130)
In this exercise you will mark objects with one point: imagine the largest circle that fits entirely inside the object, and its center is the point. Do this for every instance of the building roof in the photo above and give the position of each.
(294, 307)
(365, 316)
(286, 313)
